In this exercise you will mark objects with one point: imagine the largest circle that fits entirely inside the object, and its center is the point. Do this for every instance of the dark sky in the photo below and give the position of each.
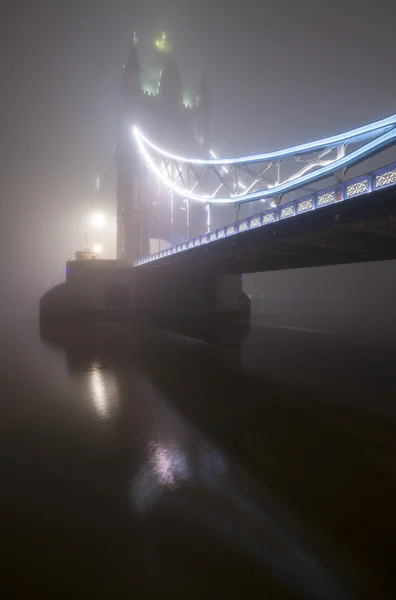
(280, 72)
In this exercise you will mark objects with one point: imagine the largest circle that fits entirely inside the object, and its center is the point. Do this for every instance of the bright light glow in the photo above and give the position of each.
(149, 88)
(385, 128)
(354, 135)
(98, 220)
(167, 466)
(97, 248)
(99, 393)
(188, 100)
(162, 44)
(358, 155)
(159, 82)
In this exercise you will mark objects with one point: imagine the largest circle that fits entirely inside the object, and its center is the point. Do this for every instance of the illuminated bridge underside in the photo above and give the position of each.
(269, 175)
(351, 222)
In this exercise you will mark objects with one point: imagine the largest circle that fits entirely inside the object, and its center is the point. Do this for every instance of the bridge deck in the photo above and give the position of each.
(357, 230)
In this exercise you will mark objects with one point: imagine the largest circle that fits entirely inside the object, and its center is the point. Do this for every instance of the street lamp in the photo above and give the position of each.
(97, 248)
(98, 220)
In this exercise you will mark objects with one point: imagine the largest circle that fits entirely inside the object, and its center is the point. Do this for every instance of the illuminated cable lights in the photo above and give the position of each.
(359, 134)
(385, 129)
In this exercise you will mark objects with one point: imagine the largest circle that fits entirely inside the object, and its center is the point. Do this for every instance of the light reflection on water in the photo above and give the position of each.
(167, 462)
(103, 390)
(165, 466)
(168, 466)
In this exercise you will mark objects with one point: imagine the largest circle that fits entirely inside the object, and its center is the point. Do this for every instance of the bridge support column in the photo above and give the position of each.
(169, 294)
(230, 300)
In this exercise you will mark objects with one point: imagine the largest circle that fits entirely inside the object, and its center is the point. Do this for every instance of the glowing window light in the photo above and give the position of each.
(221, 234)
(230, 230)
(150, 88)
(184, 247)
(191, 245)
(243, 226)
(213, 237)
(204, 239)
(197, 243)
(188, 100)
(359, 187)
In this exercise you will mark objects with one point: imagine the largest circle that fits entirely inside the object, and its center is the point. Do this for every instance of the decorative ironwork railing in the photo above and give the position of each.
(359, 186)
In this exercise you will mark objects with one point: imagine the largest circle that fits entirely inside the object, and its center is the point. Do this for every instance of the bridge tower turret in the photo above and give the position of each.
(145, 209)
(130, 239)
(203, 114)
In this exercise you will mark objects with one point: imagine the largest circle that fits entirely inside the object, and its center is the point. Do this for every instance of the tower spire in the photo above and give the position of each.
(203, 118)
(131, 79)
(170, 90)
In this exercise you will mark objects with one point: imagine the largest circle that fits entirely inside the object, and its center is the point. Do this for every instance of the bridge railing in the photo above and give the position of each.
(359, 186)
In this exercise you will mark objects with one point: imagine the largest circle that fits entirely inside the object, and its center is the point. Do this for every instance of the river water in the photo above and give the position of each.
(139, 463)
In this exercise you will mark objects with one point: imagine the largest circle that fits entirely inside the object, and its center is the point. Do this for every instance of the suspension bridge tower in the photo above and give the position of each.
(147, 212)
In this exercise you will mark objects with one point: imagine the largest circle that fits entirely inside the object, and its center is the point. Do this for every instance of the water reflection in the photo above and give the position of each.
(103, 390)
(178, 481)
(165, 467)
(168, 466)
(98, 391)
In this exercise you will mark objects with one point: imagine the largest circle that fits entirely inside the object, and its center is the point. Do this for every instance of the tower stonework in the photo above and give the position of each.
(145, 209)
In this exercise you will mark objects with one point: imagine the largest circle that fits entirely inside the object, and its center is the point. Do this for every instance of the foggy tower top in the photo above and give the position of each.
(162, 115)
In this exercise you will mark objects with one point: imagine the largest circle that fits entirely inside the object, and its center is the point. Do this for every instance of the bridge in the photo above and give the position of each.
(350, 221)
(189, 223)
(248, 180)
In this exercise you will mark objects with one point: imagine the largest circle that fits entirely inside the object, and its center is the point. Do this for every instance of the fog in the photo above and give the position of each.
(279, 73)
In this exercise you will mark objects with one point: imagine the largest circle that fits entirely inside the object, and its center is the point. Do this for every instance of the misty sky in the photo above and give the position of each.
(280, 73)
